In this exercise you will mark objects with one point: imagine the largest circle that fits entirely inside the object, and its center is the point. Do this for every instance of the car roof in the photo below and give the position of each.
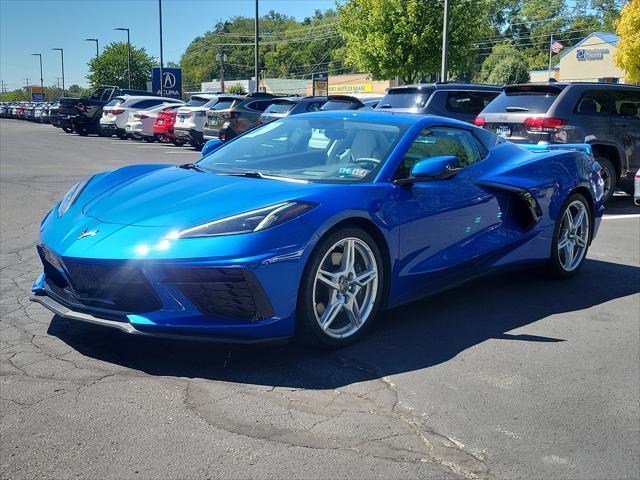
(382, 117)
(562, 85)
(447, 86)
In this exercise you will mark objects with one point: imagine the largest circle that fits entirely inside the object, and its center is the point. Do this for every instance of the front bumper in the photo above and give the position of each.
(246, 300)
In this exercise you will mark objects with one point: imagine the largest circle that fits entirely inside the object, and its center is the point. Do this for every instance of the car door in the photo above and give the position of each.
(626, 126)
(445, 226)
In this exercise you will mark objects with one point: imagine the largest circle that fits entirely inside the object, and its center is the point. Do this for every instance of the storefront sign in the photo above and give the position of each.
(584, 54)
(351, 89)
(320, 84)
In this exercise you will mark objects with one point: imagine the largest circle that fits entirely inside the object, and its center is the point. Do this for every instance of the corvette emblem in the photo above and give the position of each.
(87, 233)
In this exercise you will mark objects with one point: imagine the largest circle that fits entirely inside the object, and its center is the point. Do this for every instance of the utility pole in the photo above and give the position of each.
(550, 53)
(27, 79)
(128, 53)
(221, 57)
(257, 59)
(161, 59)
(58, 82)
(62, 57)
(445, 44)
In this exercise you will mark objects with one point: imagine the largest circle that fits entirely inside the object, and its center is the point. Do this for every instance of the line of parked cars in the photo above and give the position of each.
(606, 116)
(34, 111)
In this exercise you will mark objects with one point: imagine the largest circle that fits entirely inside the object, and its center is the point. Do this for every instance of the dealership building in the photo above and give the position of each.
(589, 60)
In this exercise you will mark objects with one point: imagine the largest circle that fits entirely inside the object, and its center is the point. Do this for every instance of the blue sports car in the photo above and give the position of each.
(310, 225)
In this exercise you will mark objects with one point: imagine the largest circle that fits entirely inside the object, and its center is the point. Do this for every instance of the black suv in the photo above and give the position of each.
(462, 101)
(82, 115)
(606, 116)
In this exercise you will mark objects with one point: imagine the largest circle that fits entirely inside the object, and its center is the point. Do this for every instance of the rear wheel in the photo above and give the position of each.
(121, 135)
(571, 237)
(341, 290)
(178, 143)
(148, 139)
(67, 129)
(608, 174)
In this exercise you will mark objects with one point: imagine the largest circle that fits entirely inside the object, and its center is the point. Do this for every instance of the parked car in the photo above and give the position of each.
(190, 119)
(283, 107)
(82, 115)
(29, 111)
(309, 226)
(115, 114)
(606, 116)
(141, 122)
(636, 188)
(234, 114)
(54, 116)
(462, 101)
(163, 127)
(350, 102)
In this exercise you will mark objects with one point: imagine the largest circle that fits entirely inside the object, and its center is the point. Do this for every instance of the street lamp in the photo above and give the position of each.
(62, 58)
(41, 80)
(128, 53)
(94, 40)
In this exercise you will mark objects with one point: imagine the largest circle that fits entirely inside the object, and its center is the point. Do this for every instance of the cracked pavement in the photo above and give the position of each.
(511, 376)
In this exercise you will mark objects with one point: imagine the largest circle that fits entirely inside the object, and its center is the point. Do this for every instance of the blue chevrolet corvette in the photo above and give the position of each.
(310, 225)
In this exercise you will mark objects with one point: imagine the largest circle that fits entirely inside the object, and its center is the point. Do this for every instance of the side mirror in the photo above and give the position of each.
(210, 146)
(433, 168)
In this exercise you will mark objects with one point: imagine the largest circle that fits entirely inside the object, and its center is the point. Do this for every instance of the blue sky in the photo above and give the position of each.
(36, 26)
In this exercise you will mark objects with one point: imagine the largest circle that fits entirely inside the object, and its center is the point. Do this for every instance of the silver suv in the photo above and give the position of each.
(606, 116)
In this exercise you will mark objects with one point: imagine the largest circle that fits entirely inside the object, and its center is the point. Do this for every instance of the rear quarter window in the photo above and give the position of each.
(594, 102)
(279, 107)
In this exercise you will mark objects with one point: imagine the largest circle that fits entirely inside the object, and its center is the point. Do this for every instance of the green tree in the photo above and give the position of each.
(504, 66)
(74, 91)
(403, 38)
(628, 54)
(17, 95)
(110, 68)
(236, 89)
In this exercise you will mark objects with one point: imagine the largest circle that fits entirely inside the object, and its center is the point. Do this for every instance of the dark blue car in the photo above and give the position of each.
(311, 224)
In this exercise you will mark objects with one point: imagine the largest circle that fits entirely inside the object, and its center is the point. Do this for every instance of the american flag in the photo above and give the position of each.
(556, 46)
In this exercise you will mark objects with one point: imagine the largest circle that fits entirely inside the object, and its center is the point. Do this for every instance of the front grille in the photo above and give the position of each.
(106, 287)
(222, 292)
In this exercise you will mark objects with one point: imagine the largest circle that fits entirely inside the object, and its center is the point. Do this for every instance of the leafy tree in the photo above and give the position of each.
(504, 66)
(17, 95)
(74, 91)
(236, 89)
(110, 68)
(628, 53)
(403, 38)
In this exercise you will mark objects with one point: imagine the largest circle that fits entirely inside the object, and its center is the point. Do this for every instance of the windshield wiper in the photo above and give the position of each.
(249, 174)
(191, 166)
(268, 176)
(386, 105)
(517, 109)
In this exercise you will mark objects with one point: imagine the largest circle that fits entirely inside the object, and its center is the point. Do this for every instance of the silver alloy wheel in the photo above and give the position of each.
(345, 287)
(606, 178)
(573, 237)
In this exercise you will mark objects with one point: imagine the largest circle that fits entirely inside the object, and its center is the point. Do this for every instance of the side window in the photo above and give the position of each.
(442, 141)
(594, 102)
(106, 95)
(469, 102)
(627, 103)
(314, 106)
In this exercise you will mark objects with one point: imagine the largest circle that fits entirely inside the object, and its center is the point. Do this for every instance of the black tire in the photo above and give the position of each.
(148, 139)
(67, 129)
(308, 329)
(178, 143)
(609, 176)
(555, 266)
(121, 135)
(82, 131)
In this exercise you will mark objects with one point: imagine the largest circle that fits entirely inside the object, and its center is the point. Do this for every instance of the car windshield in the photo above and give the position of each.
(405, 98)
(223, 104)
(196, 102)
(533, 99)
(314, 149)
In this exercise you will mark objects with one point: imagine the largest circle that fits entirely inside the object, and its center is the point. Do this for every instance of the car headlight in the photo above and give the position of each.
(248, 222)
(71, 196)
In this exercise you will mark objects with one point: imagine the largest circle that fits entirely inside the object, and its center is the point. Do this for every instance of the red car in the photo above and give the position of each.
(163, 128)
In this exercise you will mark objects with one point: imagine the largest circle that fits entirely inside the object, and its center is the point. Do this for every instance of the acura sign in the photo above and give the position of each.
(171, 82)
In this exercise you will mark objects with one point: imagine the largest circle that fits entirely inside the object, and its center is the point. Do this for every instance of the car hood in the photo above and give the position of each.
(169, 196)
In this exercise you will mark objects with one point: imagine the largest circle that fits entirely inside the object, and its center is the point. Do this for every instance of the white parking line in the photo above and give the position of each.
(620, 217)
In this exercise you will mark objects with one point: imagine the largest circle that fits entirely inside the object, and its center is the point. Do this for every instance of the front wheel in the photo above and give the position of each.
(178, 143)
(571, 237)
(341, 289)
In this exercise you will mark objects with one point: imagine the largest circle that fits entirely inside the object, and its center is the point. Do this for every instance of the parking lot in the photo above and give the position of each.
(511, 376)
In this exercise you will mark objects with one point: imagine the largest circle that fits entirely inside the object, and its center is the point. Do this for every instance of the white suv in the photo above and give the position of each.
(140, 123)
(191, 117)
(115, 114)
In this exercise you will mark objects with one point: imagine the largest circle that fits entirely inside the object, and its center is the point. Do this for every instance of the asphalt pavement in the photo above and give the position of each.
(511, 376)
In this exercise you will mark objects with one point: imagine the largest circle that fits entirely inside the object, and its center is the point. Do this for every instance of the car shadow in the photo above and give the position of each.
(621, 204)
(416, 336)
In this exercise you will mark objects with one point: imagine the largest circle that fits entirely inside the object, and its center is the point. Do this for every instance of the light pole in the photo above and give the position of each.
(41, 80)
(161, 59)
(257, 59)
(94, 40)
(128, 53)
(444, 70)
(62, 58)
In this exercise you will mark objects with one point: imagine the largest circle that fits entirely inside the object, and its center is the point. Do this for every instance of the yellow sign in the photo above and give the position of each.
(36, 89)
(320, 87)
(351, 88)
